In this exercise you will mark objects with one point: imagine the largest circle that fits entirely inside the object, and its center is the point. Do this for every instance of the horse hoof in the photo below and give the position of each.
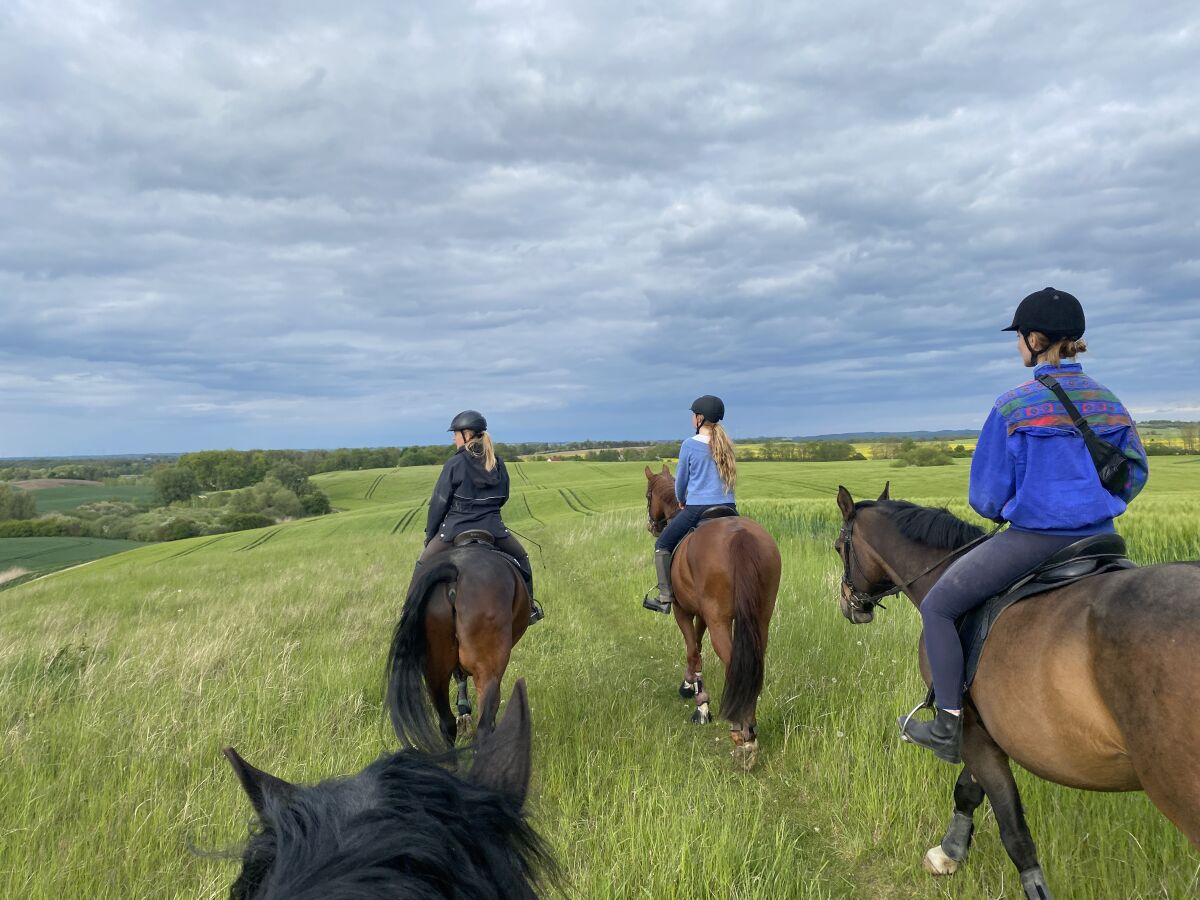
(701, 715)
(746, 755)
(938, 863)
(687, 690)
(466, 727)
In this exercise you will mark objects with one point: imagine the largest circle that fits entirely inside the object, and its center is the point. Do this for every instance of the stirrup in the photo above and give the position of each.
(654, 604)
(536, 613)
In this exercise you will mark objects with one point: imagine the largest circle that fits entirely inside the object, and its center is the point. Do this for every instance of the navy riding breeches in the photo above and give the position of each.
(969, 582)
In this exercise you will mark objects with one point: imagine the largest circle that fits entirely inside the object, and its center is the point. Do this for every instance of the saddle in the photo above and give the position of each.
(1093, 555)
(475, 536)
(483, 538)
(713, 512)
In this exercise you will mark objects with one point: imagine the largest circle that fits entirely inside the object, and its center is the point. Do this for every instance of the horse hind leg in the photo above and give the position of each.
(946, 857)
(464, 722)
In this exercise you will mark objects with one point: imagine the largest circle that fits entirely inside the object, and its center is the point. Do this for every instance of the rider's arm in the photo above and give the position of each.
(503, 486)
(439, 503)
(993, 469)
(1130, 443)
(681, 474)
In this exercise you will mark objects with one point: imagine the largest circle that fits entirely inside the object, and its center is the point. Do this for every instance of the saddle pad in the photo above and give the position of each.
(975, 626)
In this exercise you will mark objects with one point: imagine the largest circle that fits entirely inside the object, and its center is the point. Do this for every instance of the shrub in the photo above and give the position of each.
(246, 520)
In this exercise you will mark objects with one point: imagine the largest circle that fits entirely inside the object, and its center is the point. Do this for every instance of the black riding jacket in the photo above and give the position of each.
(467, 496)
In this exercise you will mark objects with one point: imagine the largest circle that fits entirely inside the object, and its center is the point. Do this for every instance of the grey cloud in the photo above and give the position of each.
(267, 222)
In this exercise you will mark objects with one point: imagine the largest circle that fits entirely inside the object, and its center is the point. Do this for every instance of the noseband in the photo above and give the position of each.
(859, 601)
(862, 602)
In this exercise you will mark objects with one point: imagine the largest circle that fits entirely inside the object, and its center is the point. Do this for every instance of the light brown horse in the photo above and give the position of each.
(1095, 685)
(464, 613)
(725, 577)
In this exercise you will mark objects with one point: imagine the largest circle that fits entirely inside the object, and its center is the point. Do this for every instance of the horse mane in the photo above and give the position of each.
(934, 526)
(403, 827)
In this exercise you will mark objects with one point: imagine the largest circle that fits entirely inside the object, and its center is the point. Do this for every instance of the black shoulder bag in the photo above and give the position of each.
(1111, 464)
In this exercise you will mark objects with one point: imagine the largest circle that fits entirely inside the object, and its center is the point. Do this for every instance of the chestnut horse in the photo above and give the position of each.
(725, 576)
(1094, 685)
(465, 611)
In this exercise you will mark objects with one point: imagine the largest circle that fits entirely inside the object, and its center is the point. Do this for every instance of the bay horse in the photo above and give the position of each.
(1093, 685)
(405, 826)
(725, 577)
(464, 612)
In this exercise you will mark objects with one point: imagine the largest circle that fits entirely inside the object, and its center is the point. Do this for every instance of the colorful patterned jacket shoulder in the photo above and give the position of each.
(1031, 405)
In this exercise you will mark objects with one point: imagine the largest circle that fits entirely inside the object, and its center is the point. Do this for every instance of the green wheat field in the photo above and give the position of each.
(120, 682)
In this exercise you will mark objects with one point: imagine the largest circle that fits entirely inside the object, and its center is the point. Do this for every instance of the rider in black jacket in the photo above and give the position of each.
(468, 495)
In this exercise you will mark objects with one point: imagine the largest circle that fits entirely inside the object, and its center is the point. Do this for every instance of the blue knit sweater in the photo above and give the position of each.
(697, 482)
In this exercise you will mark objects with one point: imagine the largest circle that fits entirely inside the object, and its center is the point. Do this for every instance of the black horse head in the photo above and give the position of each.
(403, 827)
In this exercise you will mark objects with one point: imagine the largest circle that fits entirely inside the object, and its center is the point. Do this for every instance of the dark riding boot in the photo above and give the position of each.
(662, 565)
(536, 613)
(943, 735)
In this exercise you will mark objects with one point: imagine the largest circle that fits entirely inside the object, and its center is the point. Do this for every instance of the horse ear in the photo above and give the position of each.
(504, 757)
(665, 470)
(845, 503)
(257, 784)
(887, 485)
(649, 474)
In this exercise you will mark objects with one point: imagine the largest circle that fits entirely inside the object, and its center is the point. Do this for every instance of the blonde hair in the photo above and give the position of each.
(481, 445)
(721, 449)
(1055, 352)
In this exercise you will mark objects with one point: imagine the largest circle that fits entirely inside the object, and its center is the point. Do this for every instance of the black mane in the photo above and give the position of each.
(929, 525)
(403, 827)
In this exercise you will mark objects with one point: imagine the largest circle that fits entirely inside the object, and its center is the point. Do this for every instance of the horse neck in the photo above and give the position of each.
(904, 560)
(666, 495)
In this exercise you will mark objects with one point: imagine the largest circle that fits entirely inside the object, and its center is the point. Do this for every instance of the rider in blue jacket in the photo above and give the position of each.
(1032, 469)
(704, 478)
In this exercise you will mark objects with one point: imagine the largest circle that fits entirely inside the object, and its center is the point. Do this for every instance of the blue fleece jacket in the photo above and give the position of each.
(697, 482)
(1032, 468)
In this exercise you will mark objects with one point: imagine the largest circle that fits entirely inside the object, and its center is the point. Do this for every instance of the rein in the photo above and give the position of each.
(862, 602)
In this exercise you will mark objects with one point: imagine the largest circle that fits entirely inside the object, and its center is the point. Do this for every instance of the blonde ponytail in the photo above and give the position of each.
(481, 445)
(721, 448)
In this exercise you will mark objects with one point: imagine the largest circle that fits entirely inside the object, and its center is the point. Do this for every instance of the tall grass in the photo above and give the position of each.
(120, 682)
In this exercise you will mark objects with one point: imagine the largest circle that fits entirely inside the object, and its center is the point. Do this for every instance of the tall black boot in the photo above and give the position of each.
(943, 735)
(662, 565)
(536, 613)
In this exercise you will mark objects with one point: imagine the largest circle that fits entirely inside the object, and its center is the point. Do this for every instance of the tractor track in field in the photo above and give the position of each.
(819, 488)
(525, 500)
(375, 485)
(190, 550)
(589, 505)
(259, 541)
(407, 519)
(83, 542)
(521, 473)
(573, 502)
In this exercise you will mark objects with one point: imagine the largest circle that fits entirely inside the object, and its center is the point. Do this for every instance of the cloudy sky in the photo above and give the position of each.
(306, 224)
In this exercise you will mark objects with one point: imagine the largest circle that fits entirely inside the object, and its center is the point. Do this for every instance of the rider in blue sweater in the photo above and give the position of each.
(1032, 469)
(704, 478)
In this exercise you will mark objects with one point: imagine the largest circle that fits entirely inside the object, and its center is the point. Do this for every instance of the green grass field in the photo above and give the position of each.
(70, 496)
(26, 558)
(120, 683)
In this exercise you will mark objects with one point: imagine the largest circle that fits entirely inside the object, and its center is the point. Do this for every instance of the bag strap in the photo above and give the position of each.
(1076, 419)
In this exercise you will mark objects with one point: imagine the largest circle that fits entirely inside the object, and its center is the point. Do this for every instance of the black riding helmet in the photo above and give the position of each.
(710, 407)
(469, 420)
(1056, 314)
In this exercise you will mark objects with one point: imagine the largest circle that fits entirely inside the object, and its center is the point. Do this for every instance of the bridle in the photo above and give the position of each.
(862, 602)
(656, 526)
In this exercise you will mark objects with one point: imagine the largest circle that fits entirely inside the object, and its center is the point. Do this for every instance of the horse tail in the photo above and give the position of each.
(745, 680)
(408, 702)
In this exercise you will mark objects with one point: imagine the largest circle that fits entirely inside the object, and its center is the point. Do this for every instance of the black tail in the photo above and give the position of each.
(745, 680)
(408, 700)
